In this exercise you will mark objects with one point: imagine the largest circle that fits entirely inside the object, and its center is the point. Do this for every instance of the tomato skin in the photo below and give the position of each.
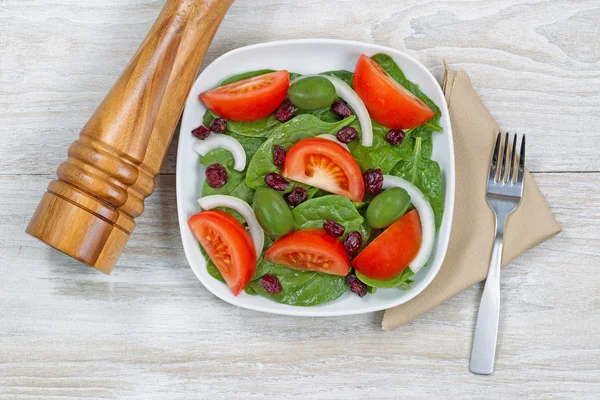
(228, 245)
(314, 248)
(388, 102)
(249, 99)
(392, 251)
(326, 165)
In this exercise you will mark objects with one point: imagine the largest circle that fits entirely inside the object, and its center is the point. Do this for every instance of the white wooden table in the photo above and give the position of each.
(151, 331)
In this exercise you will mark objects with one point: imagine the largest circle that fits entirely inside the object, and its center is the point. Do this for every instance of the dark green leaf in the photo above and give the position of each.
(401, 281)
(344, 75)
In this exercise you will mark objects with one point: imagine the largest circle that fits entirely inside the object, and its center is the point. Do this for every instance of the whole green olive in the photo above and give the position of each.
(312, 93)
(387, 207)
(272, 212)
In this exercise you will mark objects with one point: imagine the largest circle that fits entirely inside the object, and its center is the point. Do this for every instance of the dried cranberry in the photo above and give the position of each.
(395, 136)
(271, 284)
(352, 243)
(356, 285)
(347, 134)
(285, 111)
(218, 125)
(373, 180)
(341, 109)
(276, 181)
(278, 156)
(216, 176)
(201, 132)
(297, 196)
(333, 228)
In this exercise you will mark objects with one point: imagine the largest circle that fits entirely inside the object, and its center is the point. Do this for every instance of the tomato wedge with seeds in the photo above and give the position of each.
(392, 251)
(326, 165)
(228, 245)
(249, 99)
(310, 250)
(388, 102)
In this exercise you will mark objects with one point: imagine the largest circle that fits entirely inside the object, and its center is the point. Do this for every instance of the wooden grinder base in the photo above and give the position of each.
(88, 212)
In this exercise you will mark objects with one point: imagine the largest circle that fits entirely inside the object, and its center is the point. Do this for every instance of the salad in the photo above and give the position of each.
(318, 184)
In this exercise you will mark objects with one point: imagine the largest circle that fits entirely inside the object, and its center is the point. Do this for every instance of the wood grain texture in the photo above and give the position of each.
(152, 331)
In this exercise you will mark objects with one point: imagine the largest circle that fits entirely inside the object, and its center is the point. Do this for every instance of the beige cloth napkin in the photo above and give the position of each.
(470, 246)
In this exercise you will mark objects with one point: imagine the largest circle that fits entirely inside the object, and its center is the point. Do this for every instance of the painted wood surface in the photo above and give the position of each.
(152, 331)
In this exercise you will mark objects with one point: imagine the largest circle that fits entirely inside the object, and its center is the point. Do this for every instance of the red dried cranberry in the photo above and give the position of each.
(218, 125)
(347, 134)
(395, 136)
(278, 156)
(201, 132)
(216, 176)
(276, 181)
(297, 196)
(333, 228)
(356, 285)
(341, 109)
(271, 284)
(285, 111)
(352, 244)
(373, 180)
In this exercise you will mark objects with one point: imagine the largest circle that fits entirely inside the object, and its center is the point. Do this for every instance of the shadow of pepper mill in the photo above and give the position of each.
(88, 212)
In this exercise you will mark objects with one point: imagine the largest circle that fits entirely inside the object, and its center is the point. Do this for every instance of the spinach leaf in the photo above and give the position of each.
(314, 212)
(245, 75)
(389, 65)
(285, 135)
(257, 128)
(426, 175)
(302, 288)
(324, 114)
(344, 75)
(402, 280)
(211, 268)
(381, 154)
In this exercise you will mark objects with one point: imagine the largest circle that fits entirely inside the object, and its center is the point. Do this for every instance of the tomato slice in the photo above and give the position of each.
(249, 99)
(388, 102)
(310, 250)
(228, 245)
(392, 251)
(326, 165)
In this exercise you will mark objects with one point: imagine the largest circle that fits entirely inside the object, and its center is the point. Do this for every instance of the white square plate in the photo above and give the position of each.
(306, 56)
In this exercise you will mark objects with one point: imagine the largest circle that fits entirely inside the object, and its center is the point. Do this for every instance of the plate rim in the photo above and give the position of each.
(449, 189)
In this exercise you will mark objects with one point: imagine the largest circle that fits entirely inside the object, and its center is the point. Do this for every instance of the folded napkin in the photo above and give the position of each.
(470, 248)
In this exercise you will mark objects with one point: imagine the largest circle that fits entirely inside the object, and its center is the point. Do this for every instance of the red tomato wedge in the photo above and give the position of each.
(310, 250)
(326, 165)
(388, 102)
(249, 99)
(228, 245)
(392, 251)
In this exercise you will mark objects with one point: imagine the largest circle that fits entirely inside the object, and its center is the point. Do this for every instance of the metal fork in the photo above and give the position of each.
(503, 195)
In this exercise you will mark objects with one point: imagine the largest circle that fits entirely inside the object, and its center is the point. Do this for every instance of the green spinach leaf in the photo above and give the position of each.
(285, 135)
(402, 280)
(426, 175)
(302, 288)
(254, 129)
(344, 75)
(314, 212)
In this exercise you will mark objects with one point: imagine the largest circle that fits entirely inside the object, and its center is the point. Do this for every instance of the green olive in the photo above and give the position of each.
(387, 207)
(312, 93)
(272, 212)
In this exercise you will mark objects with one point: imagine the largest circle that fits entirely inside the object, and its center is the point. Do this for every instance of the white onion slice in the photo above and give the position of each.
(219, 141)
(425, 215)
(333, 139)
(349, 96)
(239, 205)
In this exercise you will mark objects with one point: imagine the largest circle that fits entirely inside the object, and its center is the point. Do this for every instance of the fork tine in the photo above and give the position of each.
(521, 162)
(504, 155)
(494, 164)
(511, 172)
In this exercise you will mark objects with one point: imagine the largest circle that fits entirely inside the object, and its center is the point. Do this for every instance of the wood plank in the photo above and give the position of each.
(152, 331)
(534, 63)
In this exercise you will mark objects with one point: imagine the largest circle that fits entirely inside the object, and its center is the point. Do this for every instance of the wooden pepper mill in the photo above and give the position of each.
(88, 212)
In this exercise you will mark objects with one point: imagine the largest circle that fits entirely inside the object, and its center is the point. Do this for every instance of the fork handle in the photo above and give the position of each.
(486, 330)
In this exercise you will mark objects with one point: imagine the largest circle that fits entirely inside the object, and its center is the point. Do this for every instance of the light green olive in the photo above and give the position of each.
(272, 212)
(387, 207)
(312, 93)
